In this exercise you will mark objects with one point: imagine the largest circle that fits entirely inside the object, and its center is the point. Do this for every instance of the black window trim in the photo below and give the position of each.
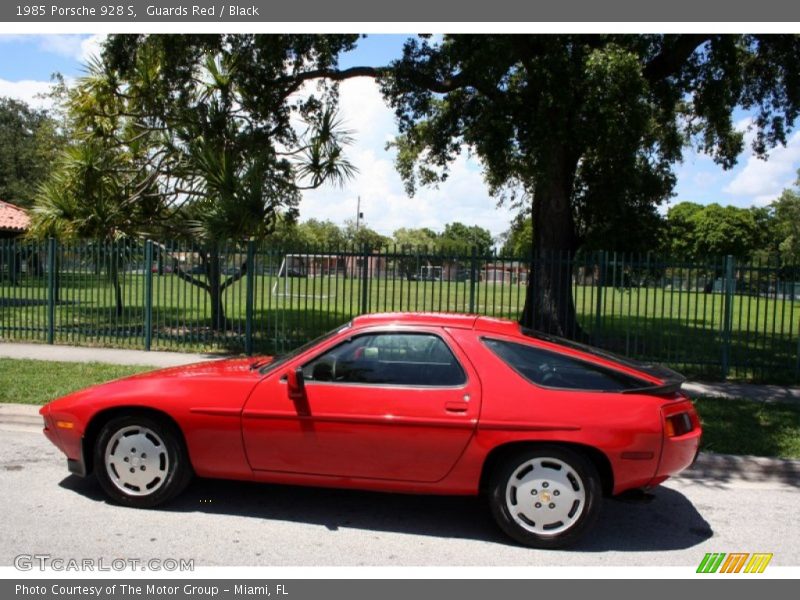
(645, 384)
(355, 335)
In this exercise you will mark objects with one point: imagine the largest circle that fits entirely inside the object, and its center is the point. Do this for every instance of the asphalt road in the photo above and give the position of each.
(46, 510)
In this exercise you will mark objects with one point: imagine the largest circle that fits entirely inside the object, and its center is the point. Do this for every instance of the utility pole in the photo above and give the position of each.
(359, 214)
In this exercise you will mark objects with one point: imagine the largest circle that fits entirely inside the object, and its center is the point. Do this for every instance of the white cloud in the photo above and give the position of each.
(386, 207)
(77, 47)
(67, 45)
(761, 181)
(90, 47)
(27, 91)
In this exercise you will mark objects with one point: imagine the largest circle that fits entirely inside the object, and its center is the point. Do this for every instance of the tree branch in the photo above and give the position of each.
(673, 56)
(293, 82)
(235, 277)
(188, 278)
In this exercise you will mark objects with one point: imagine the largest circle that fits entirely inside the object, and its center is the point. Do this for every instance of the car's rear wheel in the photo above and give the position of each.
(141, 461)
(545, 497)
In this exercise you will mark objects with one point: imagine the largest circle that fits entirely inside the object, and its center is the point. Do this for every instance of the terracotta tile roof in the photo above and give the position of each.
(13, 218)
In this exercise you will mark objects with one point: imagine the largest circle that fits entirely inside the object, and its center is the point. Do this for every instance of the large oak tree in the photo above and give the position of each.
(586, 128)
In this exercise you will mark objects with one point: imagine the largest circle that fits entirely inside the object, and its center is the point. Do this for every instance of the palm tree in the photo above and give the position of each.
(87, 198)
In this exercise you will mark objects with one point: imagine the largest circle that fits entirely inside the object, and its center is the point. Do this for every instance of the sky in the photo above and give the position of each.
(27, 63)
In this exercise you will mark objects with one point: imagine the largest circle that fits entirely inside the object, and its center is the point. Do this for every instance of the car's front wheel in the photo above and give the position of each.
(545, 497)
(141, 461)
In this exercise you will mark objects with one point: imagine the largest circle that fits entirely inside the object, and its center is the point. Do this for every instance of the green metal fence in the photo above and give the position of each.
(715, 318)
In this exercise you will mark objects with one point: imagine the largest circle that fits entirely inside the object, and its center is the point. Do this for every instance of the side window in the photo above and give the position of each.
(550, 369)
(389, 359)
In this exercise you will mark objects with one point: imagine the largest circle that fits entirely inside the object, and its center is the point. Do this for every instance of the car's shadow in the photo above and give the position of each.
(669, 522)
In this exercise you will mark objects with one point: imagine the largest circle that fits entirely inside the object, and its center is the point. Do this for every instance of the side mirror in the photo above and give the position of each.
(296, 384)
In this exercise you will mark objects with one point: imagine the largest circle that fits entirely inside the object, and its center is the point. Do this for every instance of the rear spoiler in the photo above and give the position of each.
(671, 381)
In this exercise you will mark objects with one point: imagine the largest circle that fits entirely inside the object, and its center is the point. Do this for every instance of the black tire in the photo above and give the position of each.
(124, 477)
(545, 486)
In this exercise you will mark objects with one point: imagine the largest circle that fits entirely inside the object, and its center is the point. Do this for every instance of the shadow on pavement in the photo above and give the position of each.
(669, 522)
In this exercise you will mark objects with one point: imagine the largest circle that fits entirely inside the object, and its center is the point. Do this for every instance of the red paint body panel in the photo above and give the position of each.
(241, 424)
(362, 431)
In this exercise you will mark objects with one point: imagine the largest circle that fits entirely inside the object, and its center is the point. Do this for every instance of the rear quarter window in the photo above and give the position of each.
(553, 370)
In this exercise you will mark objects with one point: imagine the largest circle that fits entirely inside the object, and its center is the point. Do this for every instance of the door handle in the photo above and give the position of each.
(456, 407)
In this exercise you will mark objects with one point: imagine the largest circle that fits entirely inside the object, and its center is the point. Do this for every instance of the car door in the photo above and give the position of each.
(398, 405)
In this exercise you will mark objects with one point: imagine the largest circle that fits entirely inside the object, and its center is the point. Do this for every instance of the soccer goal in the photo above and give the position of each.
(298, 274)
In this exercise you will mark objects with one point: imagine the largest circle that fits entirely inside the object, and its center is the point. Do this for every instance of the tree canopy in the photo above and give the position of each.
(785, 224)
(30, 141)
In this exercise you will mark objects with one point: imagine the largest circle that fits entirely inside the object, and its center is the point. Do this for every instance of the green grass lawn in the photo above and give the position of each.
(736, 426)
(38, 382)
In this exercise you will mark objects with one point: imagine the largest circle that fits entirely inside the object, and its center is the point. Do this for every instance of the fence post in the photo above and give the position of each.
(727, 317)
(148, 294)
(365, 280)
(473, 275)
(51, 290)
(249, 290)
(598, 308)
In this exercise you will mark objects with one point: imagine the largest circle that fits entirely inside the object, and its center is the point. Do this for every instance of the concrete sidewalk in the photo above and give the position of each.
(115, 356)
(749, 391)
(759, 393)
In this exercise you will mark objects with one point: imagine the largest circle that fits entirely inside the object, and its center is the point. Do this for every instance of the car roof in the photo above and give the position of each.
(430, 319)
(460, 321)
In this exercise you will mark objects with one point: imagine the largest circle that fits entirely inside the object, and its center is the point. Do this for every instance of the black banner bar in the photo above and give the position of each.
(439, 11)
(419, 589)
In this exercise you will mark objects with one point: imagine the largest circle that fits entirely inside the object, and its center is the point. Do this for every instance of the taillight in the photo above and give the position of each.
(678, 424)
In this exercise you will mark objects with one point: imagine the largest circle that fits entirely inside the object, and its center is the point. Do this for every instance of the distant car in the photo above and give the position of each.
(421, 403)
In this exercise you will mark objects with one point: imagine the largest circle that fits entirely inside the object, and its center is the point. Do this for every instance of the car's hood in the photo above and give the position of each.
(226, 382)
(209, 368)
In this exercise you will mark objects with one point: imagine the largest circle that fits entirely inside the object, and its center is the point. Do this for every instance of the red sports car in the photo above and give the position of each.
(418, 403)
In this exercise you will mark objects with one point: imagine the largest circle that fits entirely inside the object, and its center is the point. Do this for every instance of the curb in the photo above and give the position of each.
(720, 468)
(709, 467)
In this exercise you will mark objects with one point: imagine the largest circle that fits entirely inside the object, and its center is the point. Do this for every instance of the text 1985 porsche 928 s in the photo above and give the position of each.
(418, 403)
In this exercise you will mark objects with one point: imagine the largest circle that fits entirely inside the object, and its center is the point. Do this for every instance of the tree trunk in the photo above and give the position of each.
(117, 290)
(549, 305)
(113, 275)
(214, 285)
(214, 274)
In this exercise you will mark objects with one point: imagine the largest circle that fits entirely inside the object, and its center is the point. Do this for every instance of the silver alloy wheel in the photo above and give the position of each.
(136, 460)
(545, 496)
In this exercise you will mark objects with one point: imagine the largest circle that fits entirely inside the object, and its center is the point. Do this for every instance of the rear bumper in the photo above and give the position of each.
(678, 452)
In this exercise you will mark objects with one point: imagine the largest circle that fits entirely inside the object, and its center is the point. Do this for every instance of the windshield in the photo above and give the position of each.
(284, 358)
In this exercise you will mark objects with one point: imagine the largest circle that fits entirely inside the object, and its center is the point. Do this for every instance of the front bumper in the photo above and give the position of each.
(77, 466)
(68, 441)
